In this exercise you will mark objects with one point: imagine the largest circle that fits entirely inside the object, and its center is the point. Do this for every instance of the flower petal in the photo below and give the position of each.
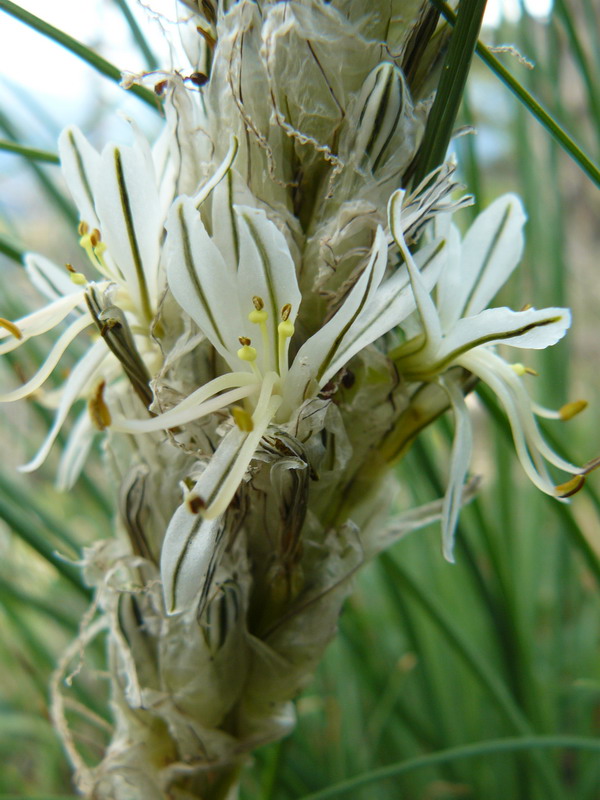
(490, 252)
(131, 222)
(76, 451)
(51, 361)
(190, 554)
(40, 321)
(80, 164)
(78, 380)
(462, 447)
(534, 329)
(201, 282)
(222, 477)
(425, 305)
(52, 281)
(202, 407)
(267, 271)
(318, 359)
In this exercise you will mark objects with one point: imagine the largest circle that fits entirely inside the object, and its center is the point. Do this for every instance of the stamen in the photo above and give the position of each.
(83, 228)
(11, 328)
(521, 370)
(570, 487)
(285, 331)
(97, 408)
(570, 410)
(194, 503)
(248, 353)
(259, 317)
(242, 419)
(78, 278)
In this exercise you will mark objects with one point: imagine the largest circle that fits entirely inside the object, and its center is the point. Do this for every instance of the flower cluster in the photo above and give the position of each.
(271, 314)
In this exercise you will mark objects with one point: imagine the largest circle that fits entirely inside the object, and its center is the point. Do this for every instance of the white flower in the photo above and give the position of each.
(120, 205)
(240, 287)
(459, 331)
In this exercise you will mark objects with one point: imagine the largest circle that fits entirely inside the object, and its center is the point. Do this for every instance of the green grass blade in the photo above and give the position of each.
(488, 748)
(403, 582)
(138, 36)
(34, 535)
(57, 197)
(536, 109)
(11, 250)
(579, 56)
(33, 153)
(26, 499)
(79, 49)
(11, 594)
(441, 119)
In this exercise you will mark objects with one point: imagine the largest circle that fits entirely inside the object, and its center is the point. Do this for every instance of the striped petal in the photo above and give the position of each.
(40, 321)
(202, 282)
(128, 207)
(52, 281)
(191, 551)
(80, 164)
(319, 357)
(267, 271)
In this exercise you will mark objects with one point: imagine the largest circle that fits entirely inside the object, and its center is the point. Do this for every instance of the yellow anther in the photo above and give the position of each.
(526, 307)
(258, 317)
(242, 419)
(95, 237)
(285, 329)
(286, 311)
(259, 303)
(570, 487)
(244, 341)
(83, 228)
(78, 278)
(521, 370)
(98, 410)
(570, 410)
(247, 353)
(195, 503)
(11, 328)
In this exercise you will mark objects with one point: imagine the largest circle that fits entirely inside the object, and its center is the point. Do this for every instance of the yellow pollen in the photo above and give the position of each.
(570, 410)
(11, 328)
(259, 303)
(526, 307)
(286, 311)
(242, 419)
(95, 237)
(83, 228)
